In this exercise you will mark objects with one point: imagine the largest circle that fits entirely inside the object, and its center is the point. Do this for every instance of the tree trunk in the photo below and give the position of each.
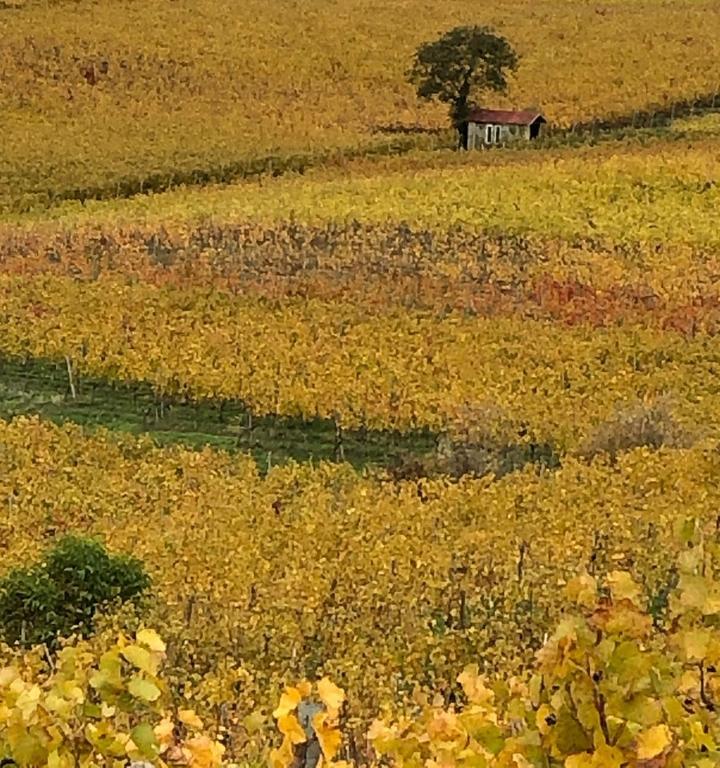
(460, 109)
(462, 131)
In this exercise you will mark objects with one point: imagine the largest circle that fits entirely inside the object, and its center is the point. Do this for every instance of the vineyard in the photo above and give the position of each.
(398, 370)
(324, 444)
(314, 570)
(658, 190)
(101, 99)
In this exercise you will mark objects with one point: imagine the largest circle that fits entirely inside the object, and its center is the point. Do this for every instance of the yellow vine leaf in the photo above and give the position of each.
(474, 685)
(582, 590)
(289, 726)
(203, 752)
(653, 741)
(329, 737)
(289, 701)
(142, 659)
(330, 694)
(151, 639)
(624, 587)
(189, 718)
(283, 756)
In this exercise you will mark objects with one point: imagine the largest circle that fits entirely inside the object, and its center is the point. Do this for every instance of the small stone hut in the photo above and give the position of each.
(485, 127)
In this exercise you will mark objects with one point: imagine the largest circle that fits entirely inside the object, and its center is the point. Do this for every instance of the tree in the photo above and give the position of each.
(463, 62)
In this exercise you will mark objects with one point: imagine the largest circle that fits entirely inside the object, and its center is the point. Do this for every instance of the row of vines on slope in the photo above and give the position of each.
(396, 369)
(653, 192)
(578, 281)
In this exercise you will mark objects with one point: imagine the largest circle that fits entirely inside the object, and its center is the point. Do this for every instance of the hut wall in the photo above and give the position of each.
(477, 134)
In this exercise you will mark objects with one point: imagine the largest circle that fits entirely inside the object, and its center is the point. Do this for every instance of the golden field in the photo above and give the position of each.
(96, 96)
(552, 311)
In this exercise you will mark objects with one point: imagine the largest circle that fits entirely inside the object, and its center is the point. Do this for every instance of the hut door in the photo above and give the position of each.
(488, 134)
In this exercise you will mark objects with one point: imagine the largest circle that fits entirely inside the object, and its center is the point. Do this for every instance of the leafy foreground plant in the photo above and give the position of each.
(609, 689)
(61, 594)
(97, 708)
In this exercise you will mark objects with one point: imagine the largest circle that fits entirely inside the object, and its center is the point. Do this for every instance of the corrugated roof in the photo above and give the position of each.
(504, 116)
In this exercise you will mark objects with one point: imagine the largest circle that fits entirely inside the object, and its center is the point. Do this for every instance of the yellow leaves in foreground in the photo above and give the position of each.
(283, 756)
(653, 742)
(624, 587)
(695, 644)
(98, 704)
(205, 525)
(473, 684)
(330, 695)
(603, 757)
(151, 640)
(189, 718)
(604, 697)
(328, 735)
(165, 734)
(203, 752)
(290, 727)
(582, 590)
(322, 722)
(289, 701)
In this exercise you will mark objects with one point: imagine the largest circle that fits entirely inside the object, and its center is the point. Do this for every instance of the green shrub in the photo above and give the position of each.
(61, 594)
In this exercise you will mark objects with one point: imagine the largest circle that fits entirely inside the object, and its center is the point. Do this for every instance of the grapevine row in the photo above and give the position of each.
(576, 281)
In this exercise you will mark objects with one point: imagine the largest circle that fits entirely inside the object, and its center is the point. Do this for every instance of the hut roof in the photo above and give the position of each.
(504, 116)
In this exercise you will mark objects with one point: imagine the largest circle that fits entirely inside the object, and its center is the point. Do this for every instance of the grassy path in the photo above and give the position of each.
(41, 388)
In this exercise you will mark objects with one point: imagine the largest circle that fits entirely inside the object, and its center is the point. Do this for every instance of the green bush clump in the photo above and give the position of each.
(61, 594)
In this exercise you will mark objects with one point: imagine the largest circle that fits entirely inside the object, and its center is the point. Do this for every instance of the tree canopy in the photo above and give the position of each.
(461, 64)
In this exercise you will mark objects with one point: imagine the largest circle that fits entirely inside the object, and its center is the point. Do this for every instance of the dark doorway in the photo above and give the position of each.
(535, 127)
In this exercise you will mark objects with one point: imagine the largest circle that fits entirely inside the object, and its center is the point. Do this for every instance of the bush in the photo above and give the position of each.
(483, 440)
(642, 424)
(498, 460)
(410, 466)
(61, 594)
(480, 440)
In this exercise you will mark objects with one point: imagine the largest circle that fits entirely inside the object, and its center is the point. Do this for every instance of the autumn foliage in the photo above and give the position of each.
(609, 689)
(97, 704)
